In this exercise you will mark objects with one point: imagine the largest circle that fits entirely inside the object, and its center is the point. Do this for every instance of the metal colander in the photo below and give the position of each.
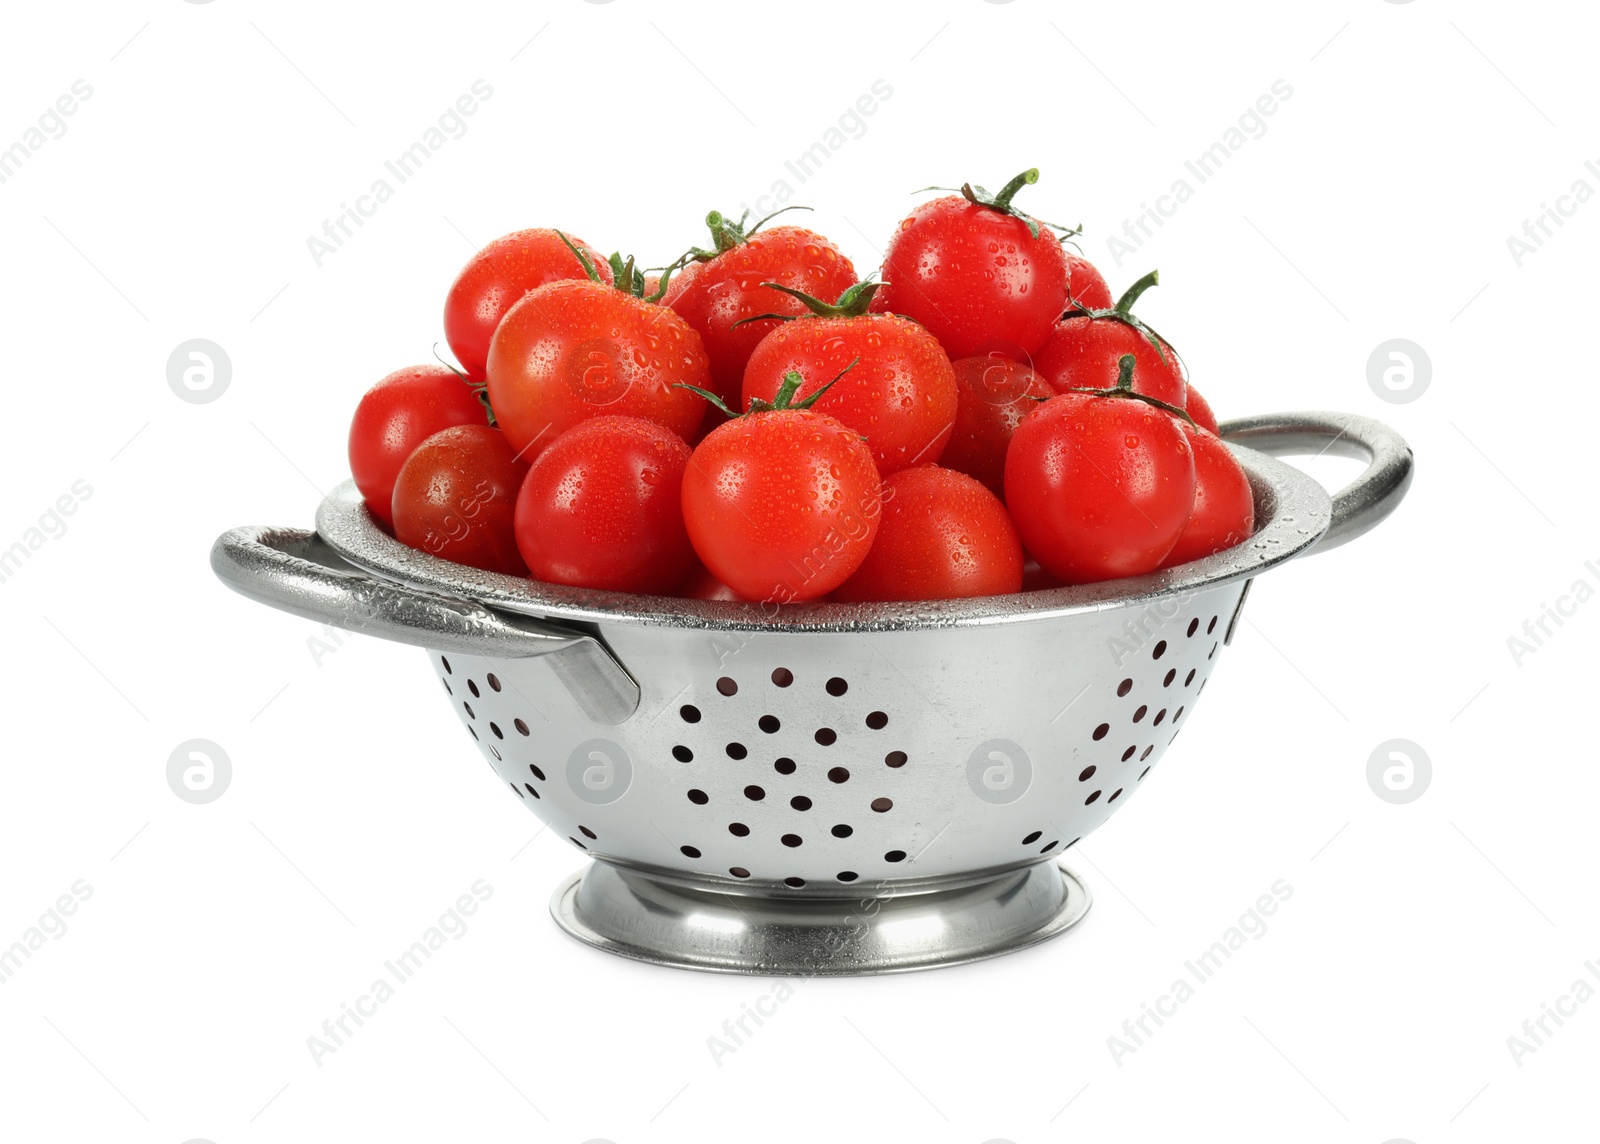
(822, 788)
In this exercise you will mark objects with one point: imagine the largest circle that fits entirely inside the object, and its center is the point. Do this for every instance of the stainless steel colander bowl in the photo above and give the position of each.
(822, 789)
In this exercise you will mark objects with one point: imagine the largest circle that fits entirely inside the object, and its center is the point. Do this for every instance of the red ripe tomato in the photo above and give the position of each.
(978, 273)
(1199, 411)
(726, 286)
(493, 281)
(579, 349)
(782, 503)
(455, 495)
(993, 395)
(1036, 579)
(600, 508)
(1100, 486)
(943, 536)
(398, 414)
(1084, 350)
(899, 393)
(1224, 512)
(1086, 287)
(702, 585)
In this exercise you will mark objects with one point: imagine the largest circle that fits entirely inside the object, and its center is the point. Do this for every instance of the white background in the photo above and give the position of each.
(1377, 205)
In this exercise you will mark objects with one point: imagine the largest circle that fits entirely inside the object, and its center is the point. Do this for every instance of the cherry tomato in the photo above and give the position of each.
(1084, 350)
(1036, 579)
(702, 585)
(725, 286)
(600, 508)
(398, 414)
(782, 503)
(1224, 511)
(993, 395)
(1199, 411)
(495, 278)
(578, 349)
(455, 495)
(1100, 486)
(943, 536)
(1086, 287)
(978, 273)
(900, 393)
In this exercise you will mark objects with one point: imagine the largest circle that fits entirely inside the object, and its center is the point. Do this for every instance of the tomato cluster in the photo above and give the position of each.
(757, 424)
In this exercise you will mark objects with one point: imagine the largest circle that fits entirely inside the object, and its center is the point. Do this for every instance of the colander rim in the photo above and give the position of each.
(1292, 513)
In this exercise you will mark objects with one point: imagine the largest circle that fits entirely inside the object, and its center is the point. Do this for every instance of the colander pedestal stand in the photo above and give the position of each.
(889, 928)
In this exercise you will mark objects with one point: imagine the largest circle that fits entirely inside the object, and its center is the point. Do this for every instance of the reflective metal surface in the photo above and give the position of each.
(888, 930)
(1366, 501)
(808, 762)
(1292, 511)
(784, 759)
(295, 571)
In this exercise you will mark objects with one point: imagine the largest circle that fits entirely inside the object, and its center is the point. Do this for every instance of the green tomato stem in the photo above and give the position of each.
(1124, 389)
(1125, 365)
(1124, 305)
(781, 401)
(583, 259)
(1002, 201)
(852, 303)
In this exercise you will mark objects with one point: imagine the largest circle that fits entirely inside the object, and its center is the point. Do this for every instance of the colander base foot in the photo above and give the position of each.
(630, 914)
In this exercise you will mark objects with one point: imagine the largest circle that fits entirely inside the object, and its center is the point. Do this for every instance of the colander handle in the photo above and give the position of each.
(295, 571)
(1365, 501)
